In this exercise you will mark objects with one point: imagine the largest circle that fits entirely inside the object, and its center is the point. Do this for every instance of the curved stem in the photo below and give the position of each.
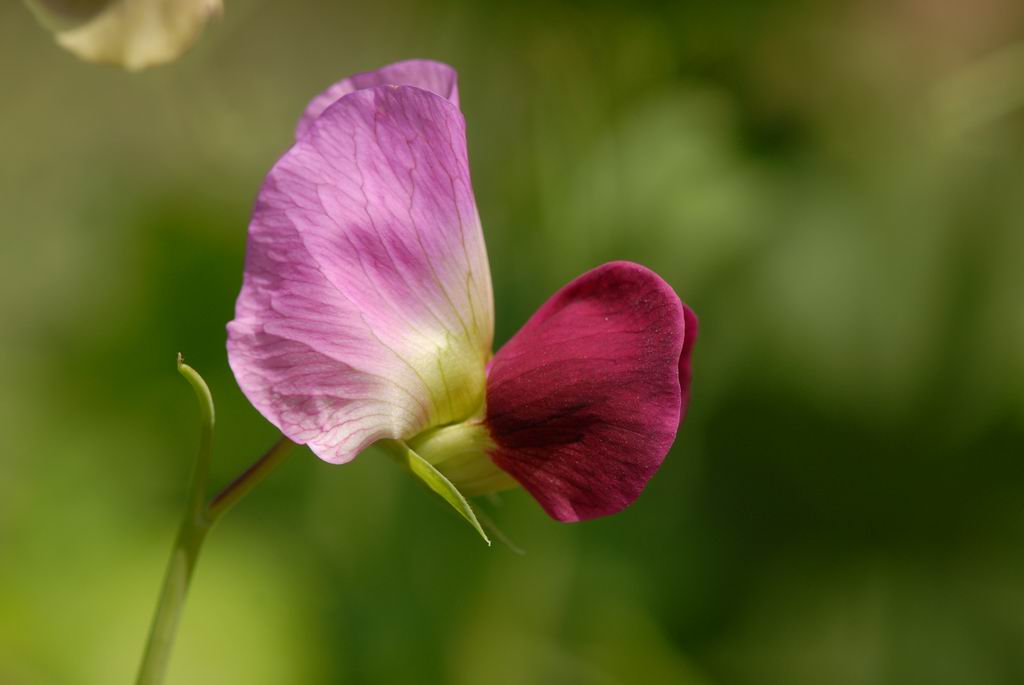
(199, 518)
(207, 418)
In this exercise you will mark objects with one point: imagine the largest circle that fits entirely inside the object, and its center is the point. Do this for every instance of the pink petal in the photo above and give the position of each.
(433, 76)
(584, 401)
(366, 308)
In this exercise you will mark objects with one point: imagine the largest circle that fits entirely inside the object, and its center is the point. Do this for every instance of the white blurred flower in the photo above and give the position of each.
(134, 34)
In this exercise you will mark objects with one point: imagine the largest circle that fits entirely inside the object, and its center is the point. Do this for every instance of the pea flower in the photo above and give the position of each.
(366, 316)
(134, 34)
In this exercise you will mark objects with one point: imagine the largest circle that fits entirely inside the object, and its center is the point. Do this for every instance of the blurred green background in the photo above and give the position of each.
(836, 188)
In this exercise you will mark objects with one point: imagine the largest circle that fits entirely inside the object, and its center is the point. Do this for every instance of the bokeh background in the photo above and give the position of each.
(836, 188)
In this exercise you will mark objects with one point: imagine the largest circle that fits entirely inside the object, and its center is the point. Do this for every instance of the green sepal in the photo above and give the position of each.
(434, 480)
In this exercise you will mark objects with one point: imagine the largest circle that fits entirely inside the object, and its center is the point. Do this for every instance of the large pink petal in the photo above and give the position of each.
(422, 73)
(584, 401)
(366, 308)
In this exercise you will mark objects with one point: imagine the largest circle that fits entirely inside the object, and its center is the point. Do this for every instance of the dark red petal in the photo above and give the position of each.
(584, 401)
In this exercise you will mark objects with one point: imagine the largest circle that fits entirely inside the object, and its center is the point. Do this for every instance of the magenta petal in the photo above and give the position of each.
(366, 308)
(584, 401)
(426, 74)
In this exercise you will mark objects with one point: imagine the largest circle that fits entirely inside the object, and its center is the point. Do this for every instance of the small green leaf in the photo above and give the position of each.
(434, 480)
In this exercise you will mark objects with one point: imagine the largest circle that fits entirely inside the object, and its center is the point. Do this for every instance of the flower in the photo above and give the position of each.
(366, 316)
(134, 34)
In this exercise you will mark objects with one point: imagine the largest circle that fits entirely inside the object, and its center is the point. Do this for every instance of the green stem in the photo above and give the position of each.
(172, 600)
(224, 500)
(198, 520)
